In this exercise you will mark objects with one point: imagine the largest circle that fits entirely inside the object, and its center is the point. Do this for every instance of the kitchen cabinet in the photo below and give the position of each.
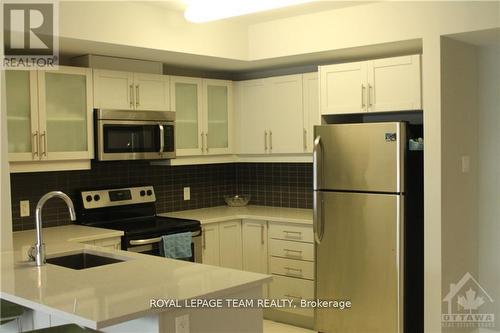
(291, 262)
(254, 234)
(210, 244)
(252, 110)
(204, 110)
(49, 115)
(382, 85)
(271, 115)
(285, 114)
(230, 244)
(131, 91)
(312, 117)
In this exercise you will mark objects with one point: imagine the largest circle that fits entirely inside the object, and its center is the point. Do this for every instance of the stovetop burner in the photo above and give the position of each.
(131, 210)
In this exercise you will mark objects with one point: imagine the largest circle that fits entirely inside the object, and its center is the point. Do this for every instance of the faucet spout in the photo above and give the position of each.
(39, 247)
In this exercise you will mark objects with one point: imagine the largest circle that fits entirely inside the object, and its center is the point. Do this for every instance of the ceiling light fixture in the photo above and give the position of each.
(200, 11)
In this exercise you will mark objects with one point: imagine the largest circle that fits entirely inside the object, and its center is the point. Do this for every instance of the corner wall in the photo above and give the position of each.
(489, 173)
(5, 217)
(459, 228)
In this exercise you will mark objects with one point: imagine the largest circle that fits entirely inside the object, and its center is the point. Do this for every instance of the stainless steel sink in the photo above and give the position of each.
(82, 260)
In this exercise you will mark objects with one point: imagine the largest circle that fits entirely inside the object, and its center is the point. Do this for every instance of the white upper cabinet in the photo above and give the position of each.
(285, 116)
(131, 91)
(391, 84)
(253, 107)
(22, 115)
(187, 102)
(218, 116)
(270, 112)
(394, 84)
(343, 88)
(49, 115)
(152, 92)
(312, 117)
(204, 112)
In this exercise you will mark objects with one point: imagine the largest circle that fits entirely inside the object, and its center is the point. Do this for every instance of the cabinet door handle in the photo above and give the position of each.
(206, 142)
(289, 233)
(363, 89)
(293, 271)
(202, 142)
(137, 95)
(265, 140)
(131, 95)
(44, 141)
(203, 240)
(35, 145)
(370, 89)
(270, 140)
(262, 234)
(305, 138)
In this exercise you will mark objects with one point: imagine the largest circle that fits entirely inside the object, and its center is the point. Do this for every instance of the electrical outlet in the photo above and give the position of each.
(187, 193)
(465, 164)
(24, 207)
(182, 324)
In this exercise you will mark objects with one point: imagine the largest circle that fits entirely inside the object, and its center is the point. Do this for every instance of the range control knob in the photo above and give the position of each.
(88, 198)
(97, 197)
(149, 192)
(143, 193)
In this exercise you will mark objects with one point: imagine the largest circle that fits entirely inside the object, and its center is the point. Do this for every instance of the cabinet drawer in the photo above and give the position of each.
(298, 233)
(292, 250)
(292, 268)
(292, 288)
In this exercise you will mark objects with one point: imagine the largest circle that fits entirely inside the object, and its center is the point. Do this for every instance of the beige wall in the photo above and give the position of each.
(489, 173)
(5, 213)
(459, 119)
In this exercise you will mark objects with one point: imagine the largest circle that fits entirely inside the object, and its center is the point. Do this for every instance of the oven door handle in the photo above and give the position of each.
(155, 240)
(162, 138)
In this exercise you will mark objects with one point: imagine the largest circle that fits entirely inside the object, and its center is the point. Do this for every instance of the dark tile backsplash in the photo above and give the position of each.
(269, 184)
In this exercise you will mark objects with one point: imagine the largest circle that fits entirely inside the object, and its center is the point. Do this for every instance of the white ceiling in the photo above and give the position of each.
(306, 8)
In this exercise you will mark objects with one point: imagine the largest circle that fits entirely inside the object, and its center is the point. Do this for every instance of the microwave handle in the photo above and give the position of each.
(162, 138)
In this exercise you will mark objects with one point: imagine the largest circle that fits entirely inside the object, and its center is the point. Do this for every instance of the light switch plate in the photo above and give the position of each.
(182, 324)
(24, 208)
(187, 193)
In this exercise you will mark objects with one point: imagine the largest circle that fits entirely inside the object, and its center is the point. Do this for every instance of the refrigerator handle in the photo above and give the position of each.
(317, 196)
(317, 163)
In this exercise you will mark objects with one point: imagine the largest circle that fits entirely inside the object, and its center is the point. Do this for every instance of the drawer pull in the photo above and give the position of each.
(293, 296)
(293, 271)
(295, 253)
(292, 234)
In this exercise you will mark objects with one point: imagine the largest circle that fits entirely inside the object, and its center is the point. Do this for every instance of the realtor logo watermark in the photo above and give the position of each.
(467, 304)
(30, 34)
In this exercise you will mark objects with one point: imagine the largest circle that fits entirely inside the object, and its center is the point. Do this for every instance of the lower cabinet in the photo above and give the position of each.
(221, 243)
(112, 242)
(230, 244)
(291, 262)
(255, 246)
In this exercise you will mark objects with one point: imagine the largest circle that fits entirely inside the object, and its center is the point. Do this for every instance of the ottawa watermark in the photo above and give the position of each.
(467, 304)
(30, 34)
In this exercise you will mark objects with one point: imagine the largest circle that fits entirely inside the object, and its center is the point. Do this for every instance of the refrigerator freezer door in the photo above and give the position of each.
(361, 157)
(359, 259)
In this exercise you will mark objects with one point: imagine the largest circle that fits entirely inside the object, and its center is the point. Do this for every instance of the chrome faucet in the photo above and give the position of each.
(39, 247)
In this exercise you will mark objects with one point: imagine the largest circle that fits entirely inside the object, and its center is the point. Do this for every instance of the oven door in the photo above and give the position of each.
(135, 140)
(152, 246)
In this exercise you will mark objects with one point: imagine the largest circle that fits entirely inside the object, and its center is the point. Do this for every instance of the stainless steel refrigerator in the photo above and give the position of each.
(359, 203)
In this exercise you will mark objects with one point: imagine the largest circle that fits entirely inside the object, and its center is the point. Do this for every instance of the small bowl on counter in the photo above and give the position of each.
(237, 200)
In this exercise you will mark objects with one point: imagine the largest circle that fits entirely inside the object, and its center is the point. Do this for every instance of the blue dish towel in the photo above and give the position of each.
(176, 246)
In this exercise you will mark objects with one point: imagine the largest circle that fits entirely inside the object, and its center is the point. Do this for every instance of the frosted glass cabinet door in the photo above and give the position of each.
(218, 102)
(65, 113)
(186, 102)
(22, 115)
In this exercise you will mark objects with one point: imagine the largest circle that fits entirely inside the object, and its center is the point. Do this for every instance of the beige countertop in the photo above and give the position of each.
(53, 236)
(106, 295)
(225, 213)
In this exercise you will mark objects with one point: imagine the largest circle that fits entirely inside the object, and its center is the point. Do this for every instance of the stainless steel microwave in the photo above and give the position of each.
(134, 135)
